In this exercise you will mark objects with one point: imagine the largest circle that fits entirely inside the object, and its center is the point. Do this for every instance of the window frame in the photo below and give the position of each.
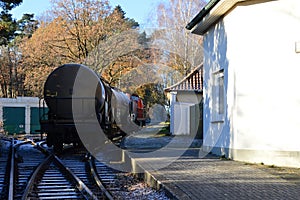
(218, 97)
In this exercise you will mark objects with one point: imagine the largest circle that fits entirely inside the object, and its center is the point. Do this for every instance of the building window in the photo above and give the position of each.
(218, 96)
(221, 93)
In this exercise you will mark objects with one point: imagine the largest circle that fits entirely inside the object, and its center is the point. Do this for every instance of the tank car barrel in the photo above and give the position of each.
(74, 93)
(71, 91)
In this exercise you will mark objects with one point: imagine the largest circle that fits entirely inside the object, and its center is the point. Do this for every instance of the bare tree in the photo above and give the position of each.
(172, 17)
(113, 48)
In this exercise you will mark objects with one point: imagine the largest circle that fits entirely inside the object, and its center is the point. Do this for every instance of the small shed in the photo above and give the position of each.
(186, 105)
(19, 115)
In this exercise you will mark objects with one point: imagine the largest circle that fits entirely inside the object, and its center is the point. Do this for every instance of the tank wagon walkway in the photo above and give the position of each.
(210, 177)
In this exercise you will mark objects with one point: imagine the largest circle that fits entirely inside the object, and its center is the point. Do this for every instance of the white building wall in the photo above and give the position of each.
(189, 97)
(186, 119)
(25, 102)
(261, 69)
(181, 102)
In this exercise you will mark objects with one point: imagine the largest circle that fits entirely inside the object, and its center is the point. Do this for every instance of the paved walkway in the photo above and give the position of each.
(191, 177)
(188, 173)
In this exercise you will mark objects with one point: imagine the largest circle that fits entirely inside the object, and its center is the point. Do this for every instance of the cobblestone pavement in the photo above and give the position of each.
(191, 177)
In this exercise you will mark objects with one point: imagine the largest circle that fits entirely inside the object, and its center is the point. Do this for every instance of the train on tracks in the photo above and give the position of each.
(74, 94)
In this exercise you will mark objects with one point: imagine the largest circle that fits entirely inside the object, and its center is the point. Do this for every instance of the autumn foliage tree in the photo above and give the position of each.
(91, 32)
(70, 32)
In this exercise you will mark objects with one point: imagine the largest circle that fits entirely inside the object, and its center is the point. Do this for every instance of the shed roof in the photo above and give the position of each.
(212, 12)
(192, 82)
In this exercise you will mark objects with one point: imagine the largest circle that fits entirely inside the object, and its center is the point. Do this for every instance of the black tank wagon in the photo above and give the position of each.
(75, 93)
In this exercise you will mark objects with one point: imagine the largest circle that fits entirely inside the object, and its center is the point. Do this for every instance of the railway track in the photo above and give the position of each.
(104, 181)
(107, 176)
(6, 146)
(34, 172)
(61, 178)
(26, 159)
(77, 162)
(52, 180)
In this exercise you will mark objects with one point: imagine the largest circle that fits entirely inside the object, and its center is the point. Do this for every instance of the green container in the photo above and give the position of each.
(14, 120)
(34, 120)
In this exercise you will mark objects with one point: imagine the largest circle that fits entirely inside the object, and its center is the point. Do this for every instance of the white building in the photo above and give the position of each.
(19, 115)
(251, 84)
(186, 105)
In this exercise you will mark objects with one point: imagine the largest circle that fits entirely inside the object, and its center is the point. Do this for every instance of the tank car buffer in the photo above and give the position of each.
(83, 108)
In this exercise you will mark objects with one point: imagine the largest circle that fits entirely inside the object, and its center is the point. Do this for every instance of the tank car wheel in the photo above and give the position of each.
(57, 148)
(77, 144)
(49, 144)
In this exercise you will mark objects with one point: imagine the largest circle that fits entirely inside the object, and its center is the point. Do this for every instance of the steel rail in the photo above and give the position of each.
(12, 172)
(85, 191)
(40, 147)
(82, 188)
(12, 167)
(97, 179)
(34, 177)
(79, 184)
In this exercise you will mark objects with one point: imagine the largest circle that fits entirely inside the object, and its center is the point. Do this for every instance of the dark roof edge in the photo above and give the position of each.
(202, 14)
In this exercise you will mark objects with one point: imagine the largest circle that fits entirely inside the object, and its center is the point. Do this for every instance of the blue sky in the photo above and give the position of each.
(136, 9)
(31, 6)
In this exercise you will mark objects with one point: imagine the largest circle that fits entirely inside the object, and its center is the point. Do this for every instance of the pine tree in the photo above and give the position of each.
(8, 25)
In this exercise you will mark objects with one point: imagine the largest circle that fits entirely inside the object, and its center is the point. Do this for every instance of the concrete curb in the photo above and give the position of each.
(149, 178)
